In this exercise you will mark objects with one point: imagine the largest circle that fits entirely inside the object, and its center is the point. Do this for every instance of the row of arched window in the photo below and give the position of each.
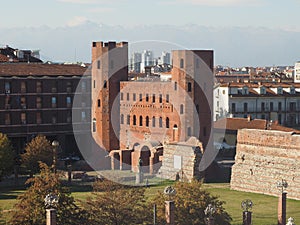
(141, 121)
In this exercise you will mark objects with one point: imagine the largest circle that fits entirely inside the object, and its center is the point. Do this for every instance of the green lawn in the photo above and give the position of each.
(264, 209)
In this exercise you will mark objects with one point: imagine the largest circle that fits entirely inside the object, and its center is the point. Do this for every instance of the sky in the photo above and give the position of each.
(241, 32)
(55, 13)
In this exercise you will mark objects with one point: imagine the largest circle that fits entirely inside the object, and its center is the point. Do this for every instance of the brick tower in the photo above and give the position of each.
(109, 67)
(193, 74)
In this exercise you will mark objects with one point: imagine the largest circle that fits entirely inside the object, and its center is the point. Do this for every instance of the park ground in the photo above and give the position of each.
(264, 209)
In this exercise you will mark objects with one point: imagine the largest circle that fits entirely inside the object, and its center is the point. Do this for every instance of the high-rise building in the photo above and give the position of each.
(135, 62)
(297, 72)
(147, 60)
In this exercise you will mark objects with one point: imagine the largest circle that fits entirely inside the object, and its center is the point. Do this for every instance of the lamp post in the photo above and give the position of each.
(282, 185)
(247, 214)
(209, 211)
(51, 201)
(170, 192)
(55, 145)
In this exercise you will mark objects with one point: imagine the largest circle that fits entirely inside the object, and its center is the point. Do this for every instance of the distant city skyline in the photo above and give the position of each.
(241, 32)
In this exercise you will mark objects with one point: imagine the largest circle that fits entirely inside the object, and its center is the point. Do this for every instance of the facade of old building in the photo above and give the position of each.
(150, 109)
(264, 158)
(37, 98)
(274, 102)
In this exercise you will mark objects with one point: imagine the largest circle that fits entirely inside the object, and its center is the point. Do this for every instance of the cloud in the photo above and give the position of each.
(81, 1)
(101, 10)
(76, 21)
(217, 3)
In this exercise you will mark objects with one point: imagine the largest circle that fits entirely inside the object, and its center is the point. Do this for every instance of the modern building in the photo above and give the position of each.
(37, 98)
(297, 72)
(147, 60)
(135, 62)
(271, 101)
(132, 119)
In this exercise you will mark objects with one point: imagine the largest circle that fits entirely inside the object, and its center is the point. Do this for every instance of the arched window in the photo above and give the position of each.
(141, 121)
(181, 109)
(167, 122)
(122, 119)
(134, 120)
(181, 63)
(153, 121)
(94, 125)
(128, 119)
(147, 121)
(160, 122)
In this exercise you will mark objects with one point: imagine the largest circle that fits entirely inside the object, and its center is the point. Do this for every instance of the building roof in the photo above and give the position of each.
(234, 124)
(40, 69)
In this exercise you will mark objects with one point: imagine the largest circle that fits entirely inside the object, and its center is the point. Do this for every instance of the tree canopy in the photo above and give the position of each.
(30, 208)
(7, 156)
(39, 149)
(117, 205)
(190, 202)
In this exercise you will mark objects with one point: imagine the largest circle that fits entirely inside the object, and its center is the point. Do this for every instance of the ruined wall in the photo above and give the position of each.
(180, 159)
(264, 157)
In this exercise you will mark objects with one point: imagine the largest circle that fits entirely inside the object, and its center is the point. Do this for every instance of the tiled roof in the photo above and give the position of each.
(234, 124)
(40, 69)
(239, 123)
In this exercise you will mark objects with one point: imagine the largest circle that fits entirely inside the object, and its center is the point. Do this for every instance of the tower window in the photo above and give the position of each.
(167, 122)
(122, 119)
(189, 131)
(141, 97)
(127, 96)
(167, 98)
(181, 63)
(153, 98)
(147, 121)
(181, 109)
(98, 64)
(160, 98)
(134, 97)
(105, 84)
(147, 98)
(175, 86)
(189, 86)
(94, 125)
(99, 103)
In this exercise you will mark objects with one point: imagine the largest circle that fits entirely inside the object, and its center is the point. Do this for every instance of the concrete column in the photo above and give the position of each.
(170, 210)
(282, 209)
(151, 165)
(50, 217)
(247, 218)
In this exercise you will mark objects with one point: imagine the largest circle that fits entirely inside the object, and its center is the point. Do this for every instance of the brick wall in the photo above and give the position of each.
(263, 158)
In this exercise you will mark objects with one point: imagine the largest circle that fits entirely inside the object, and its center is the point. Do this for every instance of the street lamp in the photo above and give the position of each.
(51, 202)
(209, 211)
(55, 145)
(247, 214)
(282, 185)
(170, 192)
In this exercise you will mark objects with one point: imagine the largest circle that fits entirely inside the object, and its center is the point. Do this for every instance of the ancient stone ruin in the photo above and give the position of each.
(264, 157)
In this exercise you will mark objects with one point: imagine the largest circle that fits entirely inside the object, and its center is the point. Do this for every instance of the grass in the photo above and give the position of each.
(264, 209)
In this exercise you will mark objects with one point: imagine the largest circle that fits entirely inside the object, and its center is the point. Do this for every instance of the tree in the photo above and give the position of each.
(117, 205)
(7, 155)
(38, 150)
(190, 203)
(30, 209)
